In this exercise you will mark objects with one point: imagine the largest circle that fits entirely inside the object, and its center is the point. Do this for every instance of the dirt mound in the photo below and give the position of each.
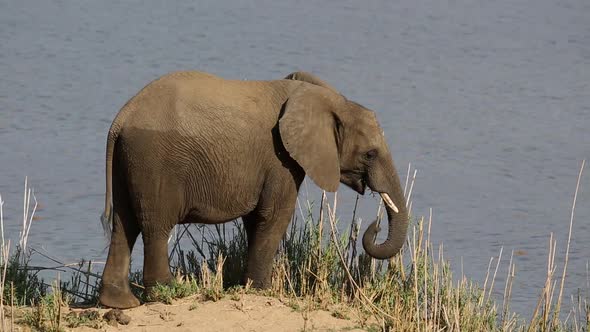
(246, 313)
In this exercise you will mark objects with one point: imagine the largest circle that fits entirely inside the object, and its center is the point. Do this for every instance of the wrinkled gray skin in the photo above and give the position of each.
(191, 147)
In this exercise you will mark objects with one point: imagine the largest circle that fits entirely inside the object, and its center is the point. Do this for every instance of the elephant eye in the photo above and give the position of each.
(371, 154)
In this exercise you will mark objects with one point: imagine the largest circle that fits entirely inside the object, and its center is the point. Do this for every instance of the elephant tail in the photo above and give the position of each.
(106, 218)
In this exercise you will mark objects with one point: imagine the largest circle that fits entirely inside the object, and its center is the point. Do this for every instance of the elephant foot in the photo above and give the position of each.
(261, 284)
(113, 296)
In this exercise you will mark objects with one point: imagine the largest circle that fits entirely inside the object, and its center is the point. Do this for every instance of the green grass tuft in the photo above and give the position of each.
(179, 288)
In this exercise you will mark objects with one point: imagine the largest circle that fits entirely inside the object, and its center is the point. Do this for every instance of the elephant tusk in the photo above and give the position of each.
(389, 202)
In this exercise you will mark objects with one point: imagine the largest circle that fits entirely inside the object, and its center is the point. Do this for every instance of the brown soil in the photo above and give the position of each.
(248, 313)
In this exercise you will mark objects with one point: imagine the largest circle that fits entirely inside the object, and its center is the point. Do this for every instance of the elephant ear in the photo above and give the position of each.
(308, 130)
(309, 78)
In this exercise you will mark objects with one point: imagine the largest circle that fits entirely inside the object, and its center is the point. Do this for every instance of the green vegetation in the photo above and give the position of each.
(316, 267)
(176, 290)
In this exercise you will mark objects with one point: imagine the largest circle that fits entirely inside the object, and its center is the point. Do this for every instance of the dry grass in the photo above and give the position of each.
(318, 267)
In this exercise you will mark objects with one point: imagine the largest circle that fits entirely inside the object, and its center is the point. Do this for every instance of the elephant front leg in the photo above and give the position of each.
(264, 237)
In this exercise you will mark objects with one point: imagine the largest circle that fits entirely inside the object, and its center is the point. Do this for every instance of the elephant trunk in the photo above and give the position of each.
(398, 224)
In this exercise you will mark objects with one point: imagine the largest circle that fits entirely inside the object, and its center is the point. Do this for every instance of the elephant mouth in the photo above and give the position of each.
(355, 180)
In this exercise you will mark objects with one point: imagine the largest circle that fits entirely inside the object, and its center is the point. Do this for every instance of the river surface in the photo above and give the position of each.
(489, 100)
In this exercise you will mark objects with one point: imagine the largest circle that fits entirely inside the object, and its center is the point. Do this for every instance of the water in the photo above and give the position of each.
(490, 100)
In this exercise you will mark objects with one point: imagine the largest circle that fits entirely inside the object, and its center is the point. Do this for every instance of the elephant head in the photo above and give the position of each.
(309, 78)
(336, 140)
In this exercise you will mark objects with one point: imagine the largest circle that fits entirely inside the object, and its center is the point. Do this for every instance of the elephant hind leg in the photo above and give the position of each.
(115, 291)
(156, 267)
(156, 228)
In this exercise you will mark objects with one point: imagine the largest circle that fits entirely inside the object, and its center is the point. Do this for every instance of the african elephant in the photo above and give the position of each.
(191, 147)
